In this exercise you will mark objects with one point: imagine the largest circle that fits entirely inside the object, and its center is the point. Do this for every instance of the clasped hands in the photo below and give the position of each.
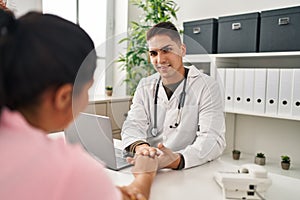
(146, 162)
(165, 157)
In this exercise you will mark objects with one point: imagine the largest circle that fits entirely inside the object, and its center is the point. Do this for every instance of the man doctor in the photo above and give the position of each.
(177, 111)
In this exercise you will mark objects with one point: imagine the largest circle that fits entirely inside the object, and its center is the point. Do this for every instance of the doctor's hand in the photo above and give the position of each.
(167, 158)
(146, 150)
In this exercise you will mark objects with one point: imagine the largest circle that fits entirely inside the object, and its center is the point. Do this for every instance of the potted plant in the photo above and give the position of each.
(285, 162)
(236, 154)
(136, 61)
(260, 159)
(109, 90)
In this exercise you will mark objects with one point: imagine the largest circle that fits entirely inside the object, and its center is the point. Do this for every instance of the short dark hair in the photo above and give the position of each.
(164, 28)
(41, 51)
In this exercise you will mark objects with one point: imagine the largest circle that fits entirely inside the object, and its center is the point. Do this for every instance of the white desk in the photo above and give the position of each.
(198, 183)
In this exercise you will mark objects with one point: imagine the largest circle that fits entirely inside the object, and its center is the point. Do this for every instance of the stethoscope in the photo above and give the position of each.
(154, 131)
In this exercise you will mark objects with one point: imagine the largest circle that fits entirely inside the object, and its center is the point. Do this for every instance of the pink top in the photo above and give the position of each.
(35, 167)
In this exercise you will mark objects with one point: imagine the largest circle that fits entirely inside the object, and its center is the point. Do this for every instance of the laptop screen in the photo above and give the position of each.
(94, 133)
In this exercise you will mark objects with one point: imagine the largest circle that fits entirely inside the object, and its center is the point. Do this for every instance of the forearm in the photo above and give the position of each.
(143, 182)
(202, 151)
(140, 188)
(144, 171)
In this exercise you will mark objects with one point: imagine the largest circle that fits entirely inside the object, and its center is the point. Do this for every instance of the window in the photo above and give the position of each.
(91, 15)
(62, 8)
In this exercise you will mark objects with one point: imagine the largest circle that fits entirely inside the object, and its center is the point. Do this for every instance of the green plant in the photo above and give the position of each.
(135, 61)
(236, 154)
(260, 155)
(236, 151)
(285, 159)
(108, 87)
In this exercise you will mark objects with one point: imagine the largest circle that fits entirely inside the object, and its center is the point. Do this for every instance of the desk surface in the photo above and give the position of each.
(198, 183)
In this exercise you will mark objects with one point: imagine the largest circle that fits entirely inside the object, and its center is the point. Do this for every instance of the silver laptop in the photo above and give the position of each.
(94, 133)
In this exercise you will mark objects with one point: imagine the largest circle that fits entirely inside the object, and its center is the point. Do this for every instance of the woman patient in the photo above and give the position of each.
(40, 57)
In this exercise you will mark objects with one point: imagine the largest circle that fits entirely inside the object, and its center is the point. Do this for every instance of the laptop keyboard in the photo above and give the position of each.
(118, 152)
(121, 161)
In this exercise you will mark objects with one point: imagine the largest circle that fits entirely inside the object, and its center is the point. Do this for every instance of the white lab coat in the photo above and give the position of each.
(200, 136)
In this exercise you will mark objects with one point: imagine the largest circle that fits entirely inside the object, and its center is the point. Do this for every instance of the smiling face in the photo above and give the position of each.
(166, 57)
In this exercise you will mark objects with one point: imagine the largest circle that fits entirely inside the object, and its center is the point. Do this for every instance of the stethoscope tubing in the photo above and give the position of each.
(154, 131)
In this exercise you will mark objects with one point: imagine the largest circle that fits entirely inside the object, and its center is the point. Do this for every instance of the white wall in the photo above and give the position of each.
(120, 31)
(201, 9)
(51, 6)
(274, 137)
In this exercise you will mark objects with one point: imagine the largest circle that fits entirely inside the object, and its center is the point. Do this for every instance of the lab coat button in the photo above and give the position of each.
(164, 137)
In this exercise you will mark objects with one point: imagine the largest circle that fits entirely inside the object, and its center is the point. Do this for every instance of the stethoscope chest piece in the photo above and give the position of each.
(154, 132)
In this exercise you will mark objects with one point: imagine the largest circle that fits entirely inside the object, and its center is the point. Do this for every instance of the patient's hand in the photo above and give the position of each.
(143, 164)
(144, 171)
